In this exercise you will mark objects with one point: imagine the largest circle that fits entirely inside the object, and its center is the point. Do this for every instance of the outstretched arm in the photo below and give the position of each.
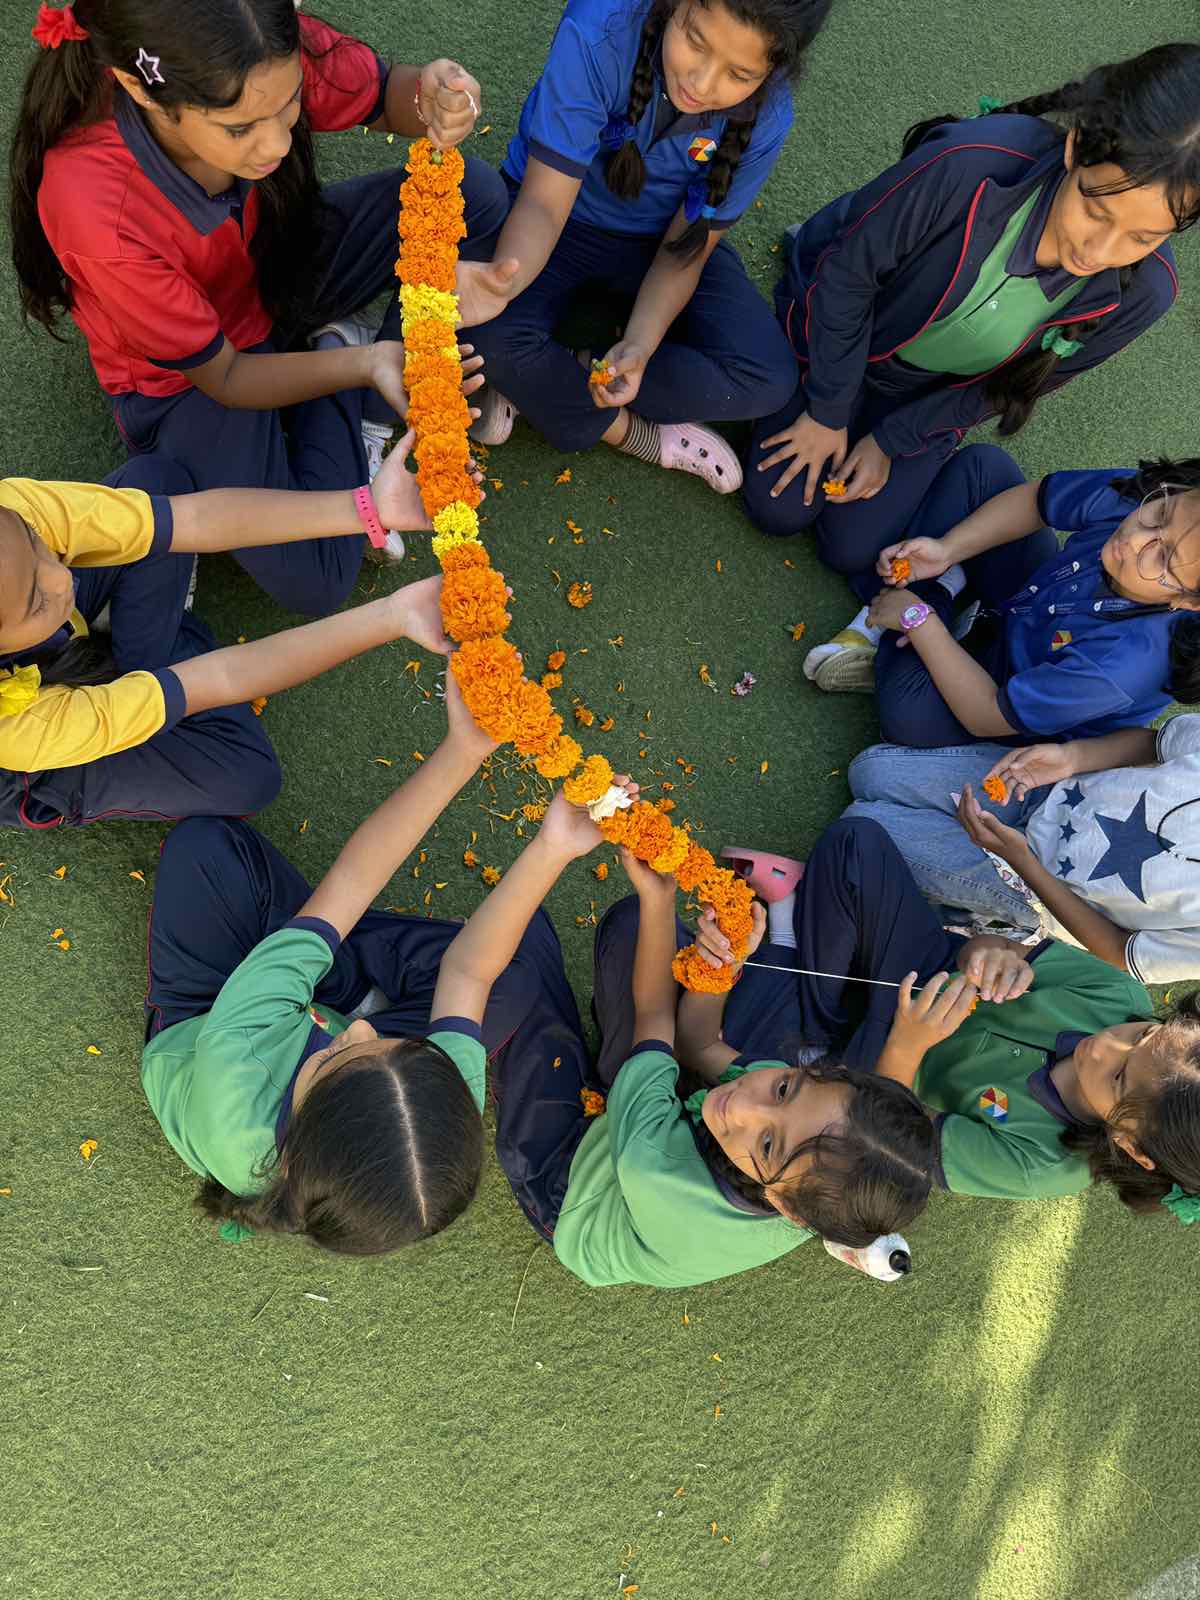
(243, 672)
(480, 953)
(378, 846)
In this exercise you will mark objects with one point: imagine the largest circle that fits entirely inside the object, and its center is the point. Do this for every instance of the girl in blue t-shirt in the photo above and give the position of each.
(650, 131)
(999, 259)
(1068, 643)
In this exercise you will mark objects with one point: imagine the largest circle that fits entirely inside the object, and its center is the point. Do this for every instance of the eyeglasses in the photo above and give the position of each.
(1153, 560)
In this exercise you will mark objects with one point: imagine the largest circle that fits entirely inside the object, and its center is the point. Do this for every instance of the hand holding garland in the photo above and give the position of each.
(510, 707)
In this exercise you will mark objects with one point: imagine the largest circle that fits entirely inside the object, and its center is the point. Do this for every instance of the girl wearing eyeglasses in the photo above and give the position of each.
(1048, 643)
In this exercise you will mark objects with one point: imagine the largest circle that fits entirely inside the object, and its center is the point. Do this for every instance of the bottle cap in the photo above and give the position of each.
(900, 1261)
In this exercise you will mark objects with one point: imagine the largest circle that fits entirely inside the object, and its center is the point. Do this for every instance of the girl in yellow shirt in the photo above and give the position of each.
(150, 720)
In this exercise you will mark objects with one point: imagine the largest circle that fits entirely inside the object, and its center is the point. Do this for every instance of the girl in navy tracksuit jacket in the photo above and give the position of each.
(997, 260)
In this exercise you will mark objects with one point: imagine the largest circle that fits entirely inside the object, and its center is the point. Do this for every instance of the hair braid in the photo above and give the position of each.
(625, 172)
(735, 141)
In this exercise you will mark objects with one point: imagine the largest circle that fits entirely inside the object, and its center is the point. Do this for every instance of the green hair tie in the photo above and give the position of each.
(1182, 1205)
(1054, 339)
(987, 105)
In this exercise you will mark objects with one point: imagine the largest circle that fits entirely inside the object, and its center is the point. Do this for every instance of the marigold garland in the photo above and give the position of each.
(508, 706)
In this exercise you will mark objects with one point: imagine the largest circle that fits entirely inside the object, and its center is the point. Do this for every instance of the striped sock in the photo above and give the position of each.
(642, 439)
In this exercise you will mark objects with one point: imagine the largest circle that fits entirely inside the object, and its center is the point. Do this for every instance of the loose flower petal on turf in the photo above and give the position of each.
(88, 1149)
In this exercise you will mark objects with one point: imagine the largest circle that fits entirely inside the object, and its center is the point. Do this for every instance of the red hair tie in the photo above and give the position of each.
(53, 28)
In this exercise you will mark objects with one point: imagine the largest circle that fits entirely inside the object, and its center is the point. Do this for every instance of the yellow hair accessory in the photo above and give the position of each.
(19, 688)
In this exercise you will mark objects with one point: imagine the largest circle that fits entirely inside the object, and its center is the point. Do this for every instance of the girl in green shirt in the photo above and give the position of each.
(322, 1065)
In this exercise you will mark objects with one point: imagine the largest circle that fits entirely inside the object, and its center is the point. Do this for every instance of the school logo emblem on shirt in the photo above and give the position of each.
(701, 149)
(1060, 639)
(993, 1103)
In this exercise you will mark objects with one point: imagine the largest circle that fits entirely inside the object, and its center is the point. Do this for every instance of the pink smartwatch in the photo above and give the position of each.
(913, 616)
(368, 515)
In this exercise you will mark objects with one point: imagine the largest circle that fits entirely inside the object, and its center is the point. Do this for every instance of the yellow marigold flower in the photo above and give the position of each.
(563, 756)
(421, 303)
(551, 680)
(533, 813)
(490, 876)
(588, 785)
(584, 716)
(579, 595)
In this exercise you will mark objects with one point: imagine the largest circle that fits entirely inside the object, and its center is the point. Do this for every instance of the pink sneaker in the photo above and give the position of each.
(771, 877)
(688, 448)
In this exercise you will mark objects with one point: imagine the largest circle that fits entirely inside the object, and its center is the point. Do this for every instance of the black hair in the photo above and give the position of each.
(381, 1153)
(1142, 115)
(789, 25)
(206, 49)
(1183, 680)
(1163, 1119)
(871, 1178)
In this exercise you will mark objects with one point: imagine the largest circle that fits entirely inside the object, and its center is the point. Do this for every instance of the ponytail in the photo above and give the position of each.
(207, 49)
(1142, 116)
(382, 1152)
(65, 88)
(789, 26)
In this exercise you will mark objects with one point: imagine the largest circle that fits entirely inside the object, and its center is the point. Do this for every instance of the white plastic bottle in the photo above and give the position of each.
(888, 1259)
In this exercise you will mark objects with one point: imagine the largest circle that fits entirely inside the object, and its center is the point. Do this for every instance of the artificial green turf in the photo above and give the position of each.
(1015, 1423)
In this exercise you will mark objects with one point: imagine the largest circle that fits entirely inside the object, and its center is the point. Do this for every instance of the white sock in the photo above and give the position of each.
(374, 1000)
(781, 928)
(861, 625)
(953, 580)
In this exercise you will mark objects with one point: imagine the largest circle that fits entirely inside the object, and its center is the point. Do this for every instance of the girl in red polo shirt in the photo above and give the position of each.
(164, 194)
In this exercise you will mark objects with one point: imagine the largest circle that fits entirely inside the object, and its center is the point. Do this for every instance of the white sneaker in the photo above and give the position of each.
(350, 330)
(498, 414)
(687, 448)
(846, 665)
(376, 436)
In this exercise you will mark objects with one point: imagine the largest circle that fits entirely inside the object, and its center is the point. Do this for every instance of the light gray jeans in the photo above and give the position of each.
(909, 793)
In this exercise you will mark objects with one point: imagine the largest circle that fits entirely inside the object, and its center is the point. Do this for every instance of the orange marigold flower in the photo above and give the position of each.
(600, 375)
(588, 785)
(675, 854)
(593, 1103)
(551, 680)
(996, 790)
(537, 724)
(615, 828)
(600, 872)
(693, 972)
(835, 488)
(696, 866)
(473, 603)
(579, 595)
(468, 554)
(584, 716)
(488, 671)
(563, 755)
(490, 876)
(665, 804)
(647, 832)
(470, 859)
(556, 660)
(901, 569)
